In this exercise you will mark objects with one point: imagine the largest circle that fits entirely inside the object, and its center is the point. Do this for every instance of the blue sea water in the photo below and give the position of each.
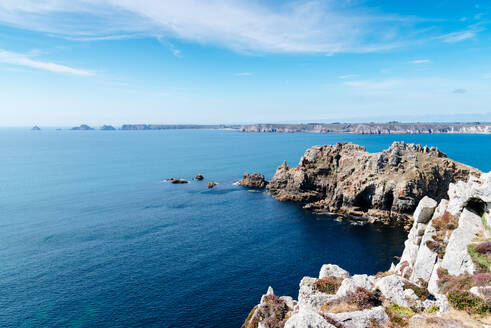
(90, 236)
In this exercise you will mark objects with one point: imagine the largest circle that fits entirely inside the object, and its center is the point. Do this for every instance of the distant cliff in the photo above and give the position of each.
(372, 128)
(175, 126)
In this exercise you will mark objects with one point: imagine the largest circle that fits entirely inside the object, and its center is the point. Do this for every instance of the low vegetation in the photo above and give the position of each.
(360, 299)
(421, 292)
(444, 225)
(398, 315)
(331, 320)
(481, 255)
(328, 285)
(273, 314)
(472, 304)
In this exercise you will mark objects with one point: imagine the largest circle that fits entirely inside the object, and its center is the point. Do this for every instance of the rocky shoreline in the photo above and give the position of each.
(371, 128)
(345, 179)
(443, 278)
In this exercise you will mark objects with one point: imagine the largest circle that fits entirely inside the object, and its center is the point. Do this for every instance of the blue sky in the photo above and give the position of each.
(66, 62)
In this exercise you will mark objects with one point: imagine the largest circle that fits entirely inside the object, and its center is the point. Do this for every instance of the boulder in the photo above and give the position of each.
(456, 259)
(392, 287)
(425, 209)
(309, 297)
(211, 184)
(307, 319)
(253, 180)
(199, 177)
(332, 270)
(362, 319)
(350, 284)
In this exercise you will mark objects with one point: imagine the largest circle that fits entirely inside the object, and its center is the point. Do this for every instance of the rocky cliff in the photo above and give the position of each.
(346, 179)
(443, 278)
(371, 128)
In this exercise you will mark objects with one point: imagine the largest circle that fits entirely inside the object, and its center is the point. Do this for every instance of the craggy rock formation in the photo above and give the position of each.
(253, 180)
(442, 280)
(346, 179)
(176, 181)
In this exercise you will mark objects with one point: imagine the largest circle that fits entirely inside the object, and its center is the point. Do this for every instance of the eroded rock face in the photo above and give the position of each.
(253, 180)
(346, 179)
(415, 284)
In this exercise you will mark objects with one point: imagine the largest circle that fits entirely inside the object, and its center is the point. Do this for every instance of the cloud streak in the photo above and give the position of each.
(301, 26)
(17, 59)
(420, 61)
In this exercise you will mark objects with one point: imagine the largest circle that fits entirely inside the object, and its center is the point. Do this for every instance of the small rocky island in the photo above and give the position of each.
(443, 278)
(82, 127)
(345, 179)
(36, 128)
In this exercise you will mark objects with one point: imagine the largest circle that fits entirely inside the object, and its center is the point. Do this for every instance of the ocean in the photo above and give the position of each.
(90, 236)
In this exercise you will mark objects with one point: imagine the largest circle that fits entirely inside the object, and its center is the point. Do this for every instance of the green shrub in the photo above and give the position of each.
(472, 304)
(421, 292)
(479, 255)
(328, 285)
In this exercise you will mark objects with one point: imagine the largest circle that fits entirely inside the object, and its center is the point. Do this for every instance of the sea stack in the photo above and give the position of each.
(253, 180)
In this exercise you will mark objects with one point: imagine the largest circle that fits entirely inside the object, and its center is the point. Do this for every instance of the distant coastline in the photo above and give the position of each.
(351, 128)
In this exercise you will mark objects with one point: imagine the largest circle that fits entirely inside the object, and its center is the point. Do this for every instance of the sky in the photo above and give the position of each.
(68, 62)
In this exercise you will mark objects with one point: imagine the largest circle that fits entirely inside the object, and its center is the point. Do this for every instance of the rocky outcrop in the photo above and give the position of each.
(253, 180)
(346, 179)
(446, 264)
(108, 128)
(211, 184)
(199, 177)
(177, 181)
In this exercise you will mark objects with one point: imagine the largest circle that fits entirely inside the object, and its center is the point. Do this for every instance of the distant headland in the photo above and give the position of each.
(393, 127)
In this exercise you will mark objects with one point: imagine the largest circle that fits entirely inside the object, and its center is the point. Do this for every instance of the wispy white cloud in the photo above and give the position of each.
(244, 74)
(296, 26)
(458, 36)
(373, 84)
(347, 76)
(420, 61)
(18, 59)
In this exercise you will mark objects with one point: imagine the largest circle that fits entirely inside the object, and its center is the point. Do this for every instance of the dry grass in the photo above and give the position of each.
(339, 307)
(328, 285)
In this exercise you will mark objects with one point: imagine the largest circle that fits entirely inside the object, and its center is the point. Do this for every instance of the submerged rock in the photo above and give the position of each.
(253, 180)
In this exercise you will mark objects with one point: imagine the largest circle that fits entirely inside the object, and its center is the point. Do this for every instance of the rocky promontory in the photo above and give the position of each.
(443, 278)
(347, 180)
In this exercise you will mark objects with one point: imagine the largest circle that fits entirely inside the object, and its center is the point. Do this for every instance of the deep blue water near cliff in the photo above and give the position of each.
(91, 237)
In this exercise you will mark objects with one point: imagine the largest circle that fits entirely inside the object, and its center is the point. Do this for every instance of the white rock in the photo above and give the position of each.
(433, 282)
(270, 291)
(288, 301)
(393, 288)
(362, 319)
(307, 319)
(332, 270)
(410, 295)
(424, 210)
(350, 284)
(309, 298)
(456, 259)
(425, 261)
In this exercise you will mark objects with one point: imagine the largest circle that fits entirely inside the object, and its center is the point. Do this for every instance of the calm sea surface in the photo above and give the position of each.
(91, 237)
